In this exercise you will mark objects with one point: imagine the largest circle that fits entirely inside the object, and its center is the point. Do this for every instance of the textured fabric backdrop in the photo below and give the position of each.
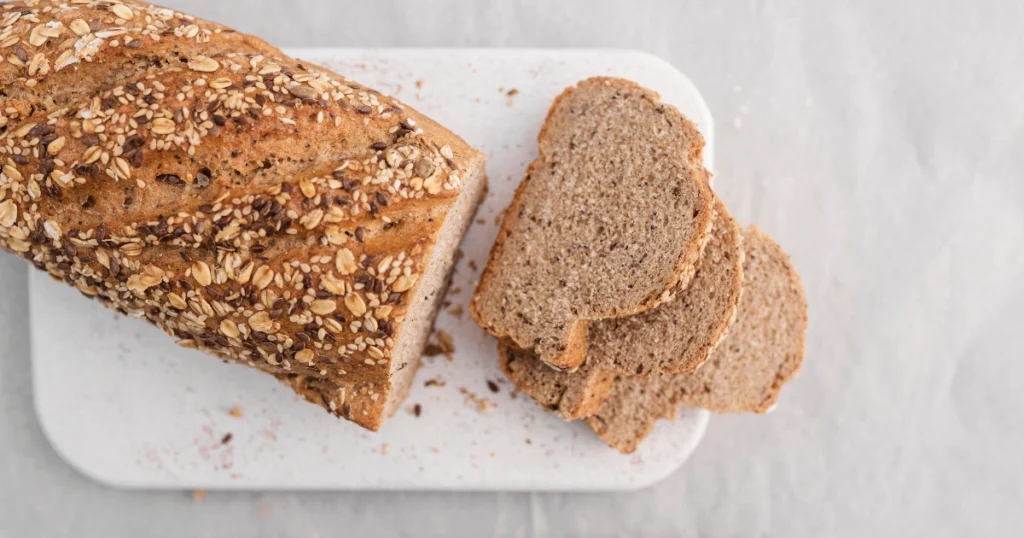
(882, 144)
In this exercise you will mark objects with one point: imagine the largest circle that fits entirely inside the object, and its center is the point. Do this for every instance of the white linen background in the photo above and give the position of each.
(881, 143)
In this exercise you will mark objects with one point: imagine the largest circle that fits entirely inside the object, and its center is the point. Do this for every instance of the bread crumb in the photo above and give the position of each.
(235, 411)
(492, 386)
(417, 410)
(497, 219)
(472, 264)
(481, 220)
(455, 291)
(456, 311)
(446, 344)
(227, 438)
(435, 382)
(198, 495)
(419, 84)
(511, 96)
(501, 89)
(482, 404)
(529, 441)
(435, 450)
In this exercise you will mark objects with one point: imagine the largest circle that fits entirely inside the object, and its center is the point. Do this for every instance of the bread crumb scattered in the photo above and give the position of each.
(435, 382)
(481, 220)
(497, 219)
(198, 495)
(456, 311)
(435, 450)
(455, 291)
(417, 410)
(529, 441)
(492, 386)
(482, 404)
(227, 438)
(472, 264)
(511, 96)
(235, 411)
(419, 84)
(446, 344)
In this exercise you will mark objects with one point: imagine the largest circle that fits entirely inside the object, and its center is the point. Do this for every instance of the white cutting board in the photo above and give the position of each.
(126, 406)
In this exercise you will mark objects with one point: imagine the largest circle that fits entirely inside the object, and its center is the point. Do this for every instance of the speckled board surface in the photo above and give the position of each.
(126, 406)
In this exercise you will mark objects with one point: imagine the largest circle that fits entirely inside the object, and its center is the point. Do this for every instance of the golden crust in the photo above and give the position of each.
(257, 207)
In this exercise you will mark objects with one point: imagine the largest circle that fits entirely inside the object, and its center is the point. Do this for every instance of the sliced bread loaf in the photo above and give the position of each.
(678, 335)
(762, 351)
(611, 217)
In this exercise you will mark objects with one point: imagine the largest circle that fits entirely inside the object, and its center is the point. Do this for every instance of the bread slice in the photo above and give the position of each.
(762, 351)
(571, 395)
(610, 218)
(678, 335)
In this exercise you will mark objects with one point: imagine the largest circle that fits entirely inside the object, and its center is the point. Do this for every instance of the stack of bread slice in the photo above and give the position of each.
(621, 289)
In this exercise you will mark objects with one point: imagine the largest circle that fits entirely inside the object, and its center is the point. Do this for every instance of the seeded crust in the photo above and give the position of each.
(609, 220)
(256, 207)
(761, 352)
(676, 336)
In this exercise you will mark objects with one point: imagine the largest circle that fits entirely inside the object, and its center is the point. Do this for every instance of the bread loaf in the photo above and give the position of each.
(610, 219)
(676, 336)
(254, 206)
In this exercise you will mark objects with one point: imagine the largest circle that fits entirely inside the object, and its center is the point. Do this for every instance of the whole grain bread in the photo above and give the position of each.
(676, 336)
(609, 220)
(762, 351)
(254, 206)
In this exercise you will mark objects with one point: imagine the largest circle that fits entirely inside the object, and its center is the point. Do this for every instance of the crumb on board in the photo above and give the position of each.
(511, 96)
(529, 441)
(514, 394)
(482, 404)
(455, 291)
(456, 311)
(497, 219)
(435, 382)
(198, 495)
(435, 450)
(492, 386)
(227, 438)
(419, 84)
(440, 343)
(235, 411)
(477, 99)
(501, 89)
(472, 264)
(417, 410)
(481, 220)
